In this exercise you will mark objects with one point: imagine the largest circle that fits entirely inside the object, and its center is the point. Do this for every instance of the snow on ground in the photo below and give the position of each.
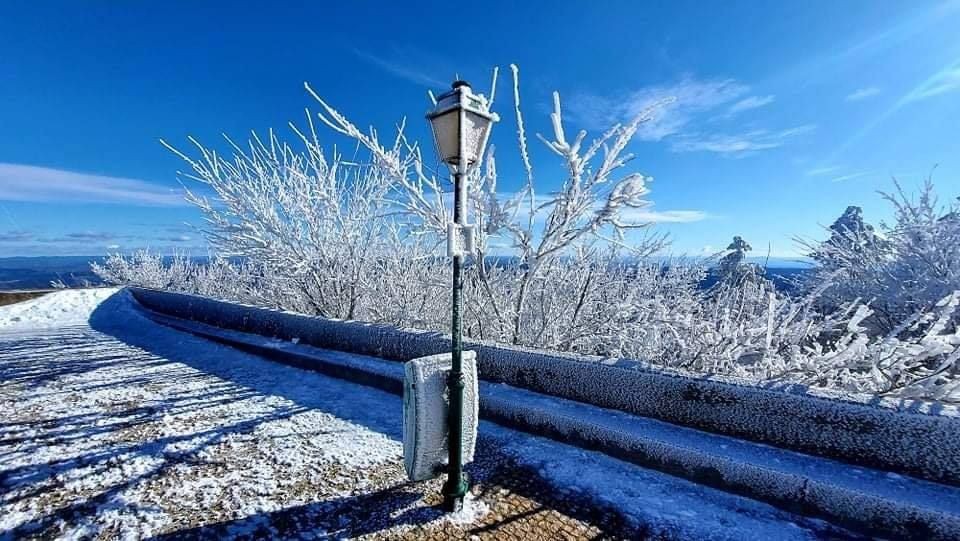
(56, 309)
(115, 438)
(122, 428)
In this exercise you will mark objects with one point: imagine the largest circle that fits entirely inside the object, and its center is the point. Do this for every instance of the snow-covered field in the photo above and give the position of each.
(116, 427)
(57, 309)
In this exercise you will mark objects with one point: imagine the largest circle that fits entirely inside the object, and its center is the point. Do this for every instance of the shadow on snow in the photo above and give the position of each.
(66, 352)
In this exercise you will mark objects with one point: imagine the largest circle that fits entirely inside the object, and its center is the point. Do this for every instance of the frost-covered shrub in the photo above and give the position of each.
(146, 269)
(319, 227)
(918, 358)
(656, 313)
(904, 278)
(589, 213)
(733, 268)
(604, 304)
(363, 239)
(215, 277)
(899, 269)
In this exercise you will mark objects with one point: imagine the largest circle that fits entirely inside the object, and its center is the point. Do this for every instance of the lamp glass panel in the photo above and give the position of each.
(475, 134)
(445, 131)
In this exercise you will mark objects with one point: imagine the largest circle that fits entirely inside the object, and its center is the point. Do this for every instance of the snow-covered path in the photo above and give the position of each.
(116, 427)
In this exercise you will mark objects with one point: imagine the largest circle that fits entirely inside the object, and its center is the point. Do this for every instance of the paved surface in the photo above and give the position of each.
(132, 430)
(100, 438)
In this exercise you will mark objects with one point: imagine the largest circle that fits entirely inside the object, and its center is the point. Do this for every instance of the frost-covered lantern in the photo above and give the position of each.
(457, 112)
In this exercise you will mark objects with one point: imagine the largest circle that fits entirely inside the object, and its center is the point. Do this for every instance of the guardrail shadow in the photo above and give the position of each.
(119, 318)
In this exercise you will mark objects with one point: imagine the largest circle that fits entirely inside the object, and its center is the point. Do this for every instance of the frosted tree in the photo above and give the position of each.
(319, 227)
(592, 206)
(906, 266)
(145, 269)
(566, 270)
(733, 268)
(850, 236)
(733, 261)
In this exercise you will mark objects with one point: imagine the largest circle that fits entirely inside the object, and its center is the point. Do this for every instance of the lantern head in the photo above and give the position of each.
(461, 124)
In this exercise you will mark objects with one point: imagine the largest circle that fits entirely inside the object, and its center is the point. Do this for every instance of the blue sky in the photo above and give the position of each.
(786, 112)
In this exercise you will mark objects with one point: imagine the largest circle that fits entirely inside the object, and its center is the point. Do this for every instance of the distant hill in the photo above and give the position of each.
(38, 272)
(783, 278)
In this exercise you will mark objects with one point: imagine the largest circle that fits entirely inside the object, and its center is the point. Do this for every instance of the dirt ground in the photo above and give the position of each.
(12, 297)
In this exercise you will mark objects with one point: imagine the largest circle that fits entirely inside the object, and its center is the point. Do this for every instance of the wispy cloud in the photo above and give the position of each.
(665, 217)
(91, 242)
(43, 184)
(691, 97)
(863, 93)
(17, 235)
(90, 235)
(738, 145)
(684, 122)
(108, 236)
(632, 215)
(841, 59)
(752, 102)
(850, 176)
(944, 80)
(796, 130)
(403, 65)
(177, 238)
(941, 82)
(83, 237)
(832, 172)
(824, 170)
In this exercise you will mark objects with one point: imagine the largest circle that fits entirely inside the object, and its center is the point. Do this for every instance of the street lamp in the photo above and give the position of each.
(461, 125)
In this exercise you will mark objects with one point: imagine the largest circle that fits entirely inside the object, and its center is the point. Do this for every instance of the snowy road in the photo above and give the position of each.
(120, 428)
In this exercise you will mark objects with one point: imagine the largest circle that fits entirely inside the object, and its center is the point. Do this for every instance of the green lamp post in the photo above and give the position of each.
(461, 124)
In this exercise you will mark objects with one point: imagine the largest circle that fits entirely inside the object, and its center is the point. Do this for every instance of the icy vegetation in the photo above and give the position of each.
(362, 239)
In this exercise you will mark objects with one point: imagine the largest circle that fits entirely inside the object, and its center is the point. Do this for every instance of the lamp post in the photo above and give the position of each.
(461, 125)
